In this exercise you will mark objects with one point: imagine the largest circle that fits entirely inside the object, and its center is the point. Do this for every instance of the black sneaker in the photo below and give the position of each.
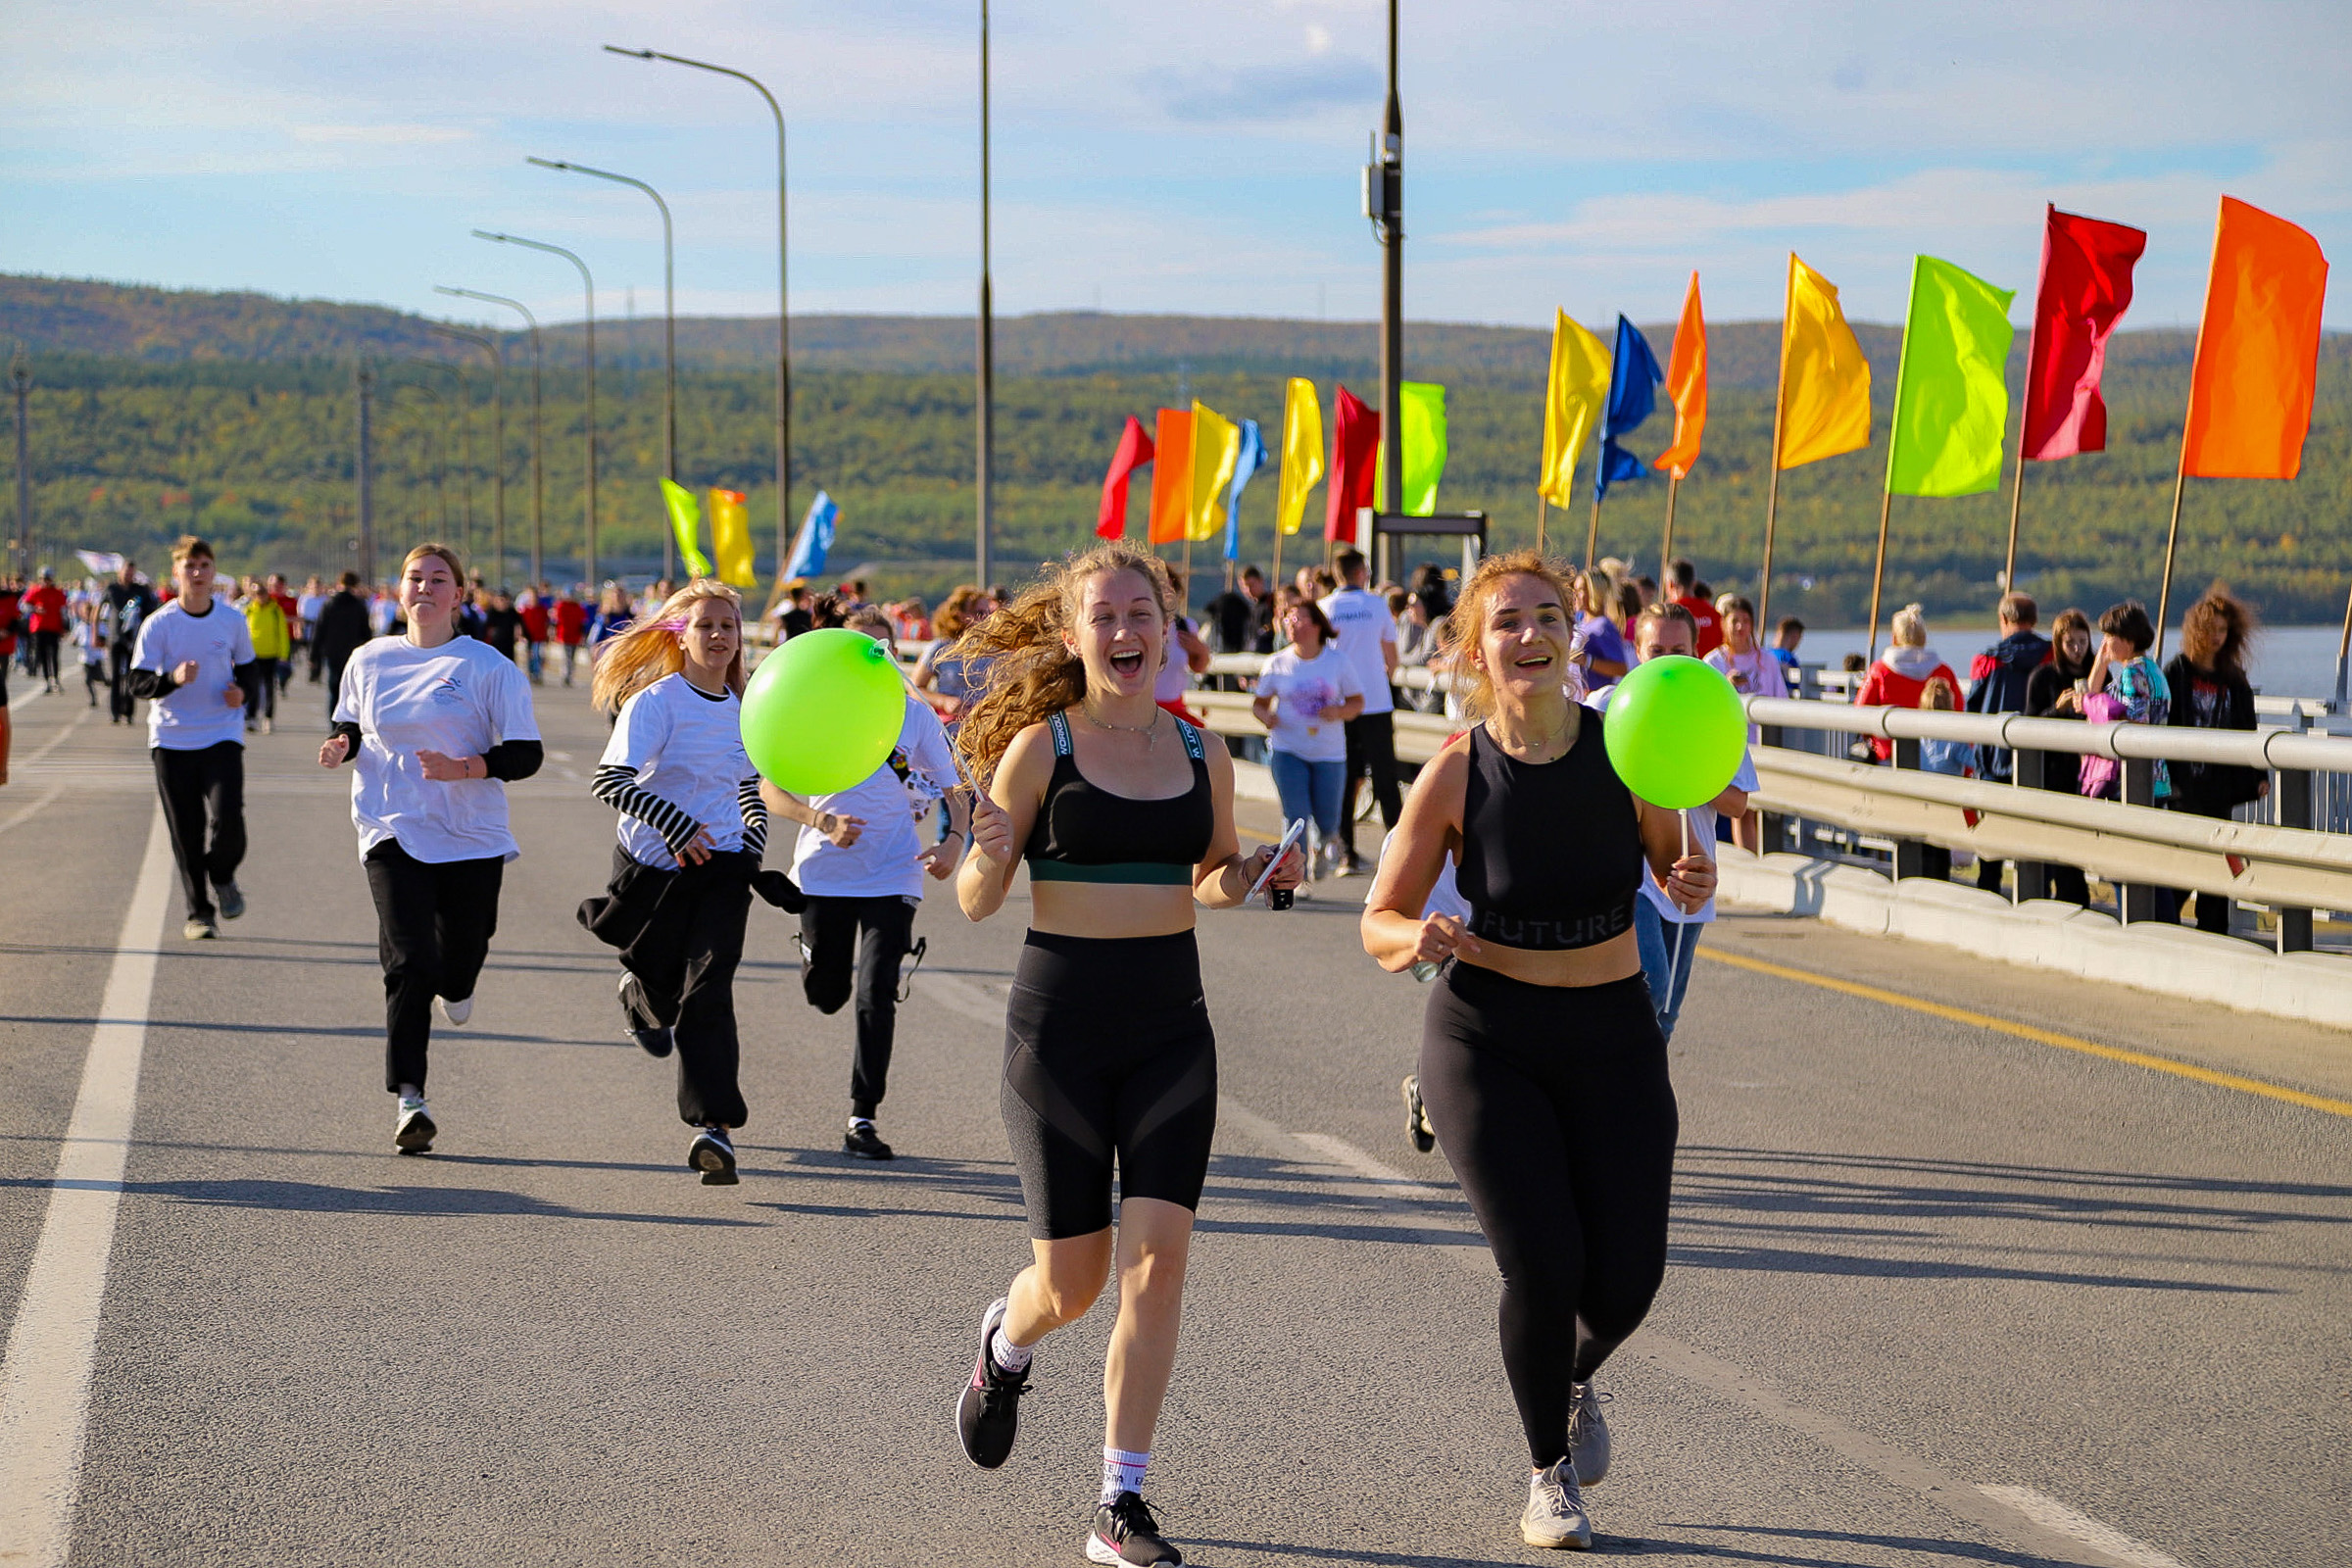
(713, 1155)
(1126, 1532)
(988, 1414)
(1417, 1130)
(862, 1140)
(230, 898)
(653, 1042)
(412, 1129)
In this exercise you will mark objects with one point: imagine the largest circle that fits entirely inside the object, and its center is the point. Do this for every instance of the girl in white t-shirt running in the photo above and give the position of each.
(440, 724)
(692, 832)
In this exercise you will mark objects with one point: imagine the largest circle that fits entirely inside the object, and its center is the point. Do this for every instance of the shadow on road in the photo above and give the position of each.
(1936, 1546)
(420, 1202)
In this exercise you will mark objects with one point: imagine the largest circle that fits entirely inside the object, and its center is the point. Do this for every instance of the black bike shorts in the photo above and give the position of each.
(1108, 1056)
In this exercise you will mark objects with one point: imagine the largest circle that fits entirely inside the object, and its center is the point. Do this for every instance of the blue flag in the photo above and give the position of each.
(1633, 377)
(816, 543)
(1252, 458)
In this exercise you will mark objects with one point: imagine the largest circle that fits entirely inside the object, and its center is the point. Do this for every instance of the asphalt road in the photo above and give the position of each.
(1939, 1294)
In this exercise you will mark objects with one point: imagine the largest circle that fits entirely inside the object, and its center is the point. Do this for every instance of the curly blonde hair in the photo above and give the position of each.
(650, 649)
(1466, 624)
(1031, 671)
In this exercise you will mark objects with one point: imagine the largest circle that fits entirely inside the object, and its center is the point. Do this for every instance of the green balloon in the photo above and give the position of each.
(821, 712)
(1676, 731)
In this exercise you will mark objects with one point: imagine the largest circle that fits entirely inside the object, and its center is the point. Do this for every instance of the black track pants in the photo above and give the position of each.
(1372, 751)
(433, 922)
(203, 804)
(684, 956)
(869, 936)
(1553, 1108)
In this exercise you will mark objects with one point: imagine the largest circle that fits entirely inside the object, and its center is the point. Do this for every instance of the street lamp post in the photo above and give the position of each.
(588, 283)
(783, 302)
(986, 393)
(19, 377)
(669, 333)
(1388, 170)
(498, 433)
(367, 475)
(538, 452)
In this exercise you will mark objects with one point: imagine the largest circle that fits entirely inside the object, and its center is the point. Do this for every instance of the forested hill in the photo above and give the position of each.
(234, 415)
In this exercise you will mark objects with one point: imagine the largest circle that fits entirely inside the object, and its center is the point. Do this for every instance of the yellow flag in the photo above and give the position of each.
(1301, 453)
(732, 538)
(1572, 395)
(1824, 381)
(1216, 449)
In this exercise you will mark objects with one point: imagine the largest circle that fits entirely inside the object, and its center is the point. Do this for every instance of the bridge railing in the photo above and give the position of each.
(2295, 864)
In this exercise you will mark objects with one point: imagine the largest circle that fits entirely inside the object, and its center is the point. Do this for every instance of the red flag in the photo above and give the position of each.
(1355, 443)
(2086, 287)
(2258, 350)
(1135, 449)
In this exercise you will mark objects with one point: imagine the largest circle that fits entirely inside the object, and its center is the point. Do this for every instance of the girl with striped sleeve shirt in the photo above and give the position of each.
(692, 832)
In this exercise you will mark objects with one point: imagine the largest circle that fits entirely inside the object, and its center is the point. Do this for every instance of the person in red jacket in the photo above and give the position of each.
(44, 610)
(571, 629)
(1903, 671)
(1682, 581)
(532, 607)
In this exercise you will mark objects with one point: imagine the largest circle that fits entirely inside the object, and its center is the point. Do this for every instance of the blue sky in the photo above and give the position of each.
(1193, 158)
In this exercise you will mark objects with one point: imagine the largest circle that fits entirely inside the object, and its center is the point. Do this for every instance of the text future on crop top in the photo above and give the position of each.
(1085, 833)
(1552, 852)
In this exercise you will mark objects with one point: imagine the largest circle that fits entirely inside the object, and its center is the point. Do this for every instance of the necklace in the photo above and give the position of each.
(1150, 731)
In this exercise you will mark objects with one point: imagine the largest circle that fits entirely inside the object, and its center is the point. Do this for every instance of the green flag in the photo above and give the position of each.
(1950, 403)
(687, 524)
(1423, 417)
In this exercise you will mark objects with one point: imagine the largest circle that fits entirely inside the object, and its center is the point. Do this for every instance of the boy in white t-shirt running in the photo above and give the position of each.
(692, 832)
(861, 861)
(193, 658)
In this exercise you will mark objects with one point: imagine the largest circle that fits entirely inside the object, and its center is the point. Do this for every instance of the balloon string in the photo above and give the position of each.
(1683, 817)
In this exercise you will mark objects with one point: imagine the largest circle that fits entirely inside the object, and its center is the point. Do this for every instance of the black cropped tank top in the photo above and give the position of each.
(1084, 833)
(1552, 852)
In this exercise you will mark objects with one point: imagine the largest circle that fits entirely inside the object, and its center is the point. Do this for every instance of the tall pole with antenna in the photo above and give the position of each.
(1389, 170)
(986, 392)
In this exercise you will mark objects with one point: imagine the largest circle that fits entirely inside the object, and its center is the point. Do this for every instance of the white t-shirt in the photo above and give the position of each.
(1444, 895)
(1175, 677)
(881, 863)
(1703, 828)
(191, 717)
(685, 746)
(1362, 619)
(459, 698)
(1302, 688)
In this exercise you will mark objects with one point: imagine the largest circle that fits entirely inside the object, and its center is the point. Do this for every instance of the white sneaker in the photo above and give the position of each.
(457, 1011)
(1555, 1516)
(1587, 1434)
(413, 1131)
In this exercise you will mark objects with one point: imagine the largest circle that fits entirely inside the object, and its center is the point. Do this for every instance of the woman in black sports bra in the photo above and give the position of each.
(1125, 816)
(1541, 1064)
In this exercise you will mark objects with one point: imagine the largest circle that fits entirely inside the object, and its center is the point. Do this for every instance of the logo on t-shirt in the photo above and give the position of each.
(446, 692)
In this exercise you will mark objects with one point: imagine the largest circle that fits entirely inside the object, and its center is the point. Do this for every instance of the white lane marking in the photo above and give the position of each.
(2097, 1534)
(45, 1377)
(19, 818)
(1989, 1508)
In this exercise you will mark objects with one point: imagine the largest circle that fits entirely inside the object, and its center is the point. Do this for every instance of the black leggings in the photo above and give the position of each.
(433, 923)
(1107, 1054)
(1552, 1105)
(204, 806)
(874, 932)
(680, 933)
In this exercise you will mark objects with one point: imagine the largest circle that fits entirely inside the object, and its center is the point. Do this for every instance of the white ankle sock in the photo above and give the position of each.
(1009, 1356)
(1122, 1471)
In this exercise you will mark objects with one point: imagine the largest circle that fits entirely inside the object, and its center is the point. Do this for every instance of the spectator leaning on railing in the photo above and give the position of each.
(2125, 684)
(2000, 675)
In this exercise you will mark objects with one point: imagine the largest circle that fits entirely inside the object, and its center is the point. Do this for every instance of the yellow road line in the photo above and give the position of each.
(2025, 1031)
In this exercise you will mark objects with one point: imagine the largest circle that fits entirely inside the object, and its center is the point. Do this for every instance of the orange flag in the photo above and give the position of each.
(2258, 350)
(1172, 476)
(1687, 385)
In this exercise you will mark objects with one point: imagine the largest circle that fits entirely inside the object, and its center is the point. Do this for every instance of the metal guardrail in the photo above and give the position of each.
(2294, 864)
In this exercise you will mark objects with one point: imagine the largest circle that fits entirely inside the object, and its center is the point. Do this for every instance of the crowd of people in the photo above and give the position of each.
(1538, 895)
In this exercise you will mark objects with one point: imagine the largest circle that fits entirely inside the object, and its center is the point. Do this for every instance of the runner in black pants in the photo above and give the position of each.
(128, 601)
(692, 831)
(341, 631)
(860, 859)
(440, 726)
(1125, 817)
(1542, 1063)
(193, 658)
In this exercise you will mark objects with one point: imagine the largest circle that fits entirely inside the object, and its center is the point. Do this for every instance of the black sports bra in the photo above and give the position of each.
(1552, 852)
(1085, 833)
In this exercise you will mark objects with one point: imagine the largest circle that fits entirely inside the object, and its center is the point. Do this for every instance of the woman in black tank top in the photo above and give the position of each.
(1125, 816)
(1541, 1066)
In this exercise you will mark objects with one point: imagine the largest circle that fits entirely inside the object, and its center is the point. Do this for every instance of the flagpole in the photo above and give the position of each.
(1274, 585)
(1771, 493)
(1878, 573)
(1674, 483)
(2171, 539)
(2017, 496)
(1541, 507)
(1592, 535)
